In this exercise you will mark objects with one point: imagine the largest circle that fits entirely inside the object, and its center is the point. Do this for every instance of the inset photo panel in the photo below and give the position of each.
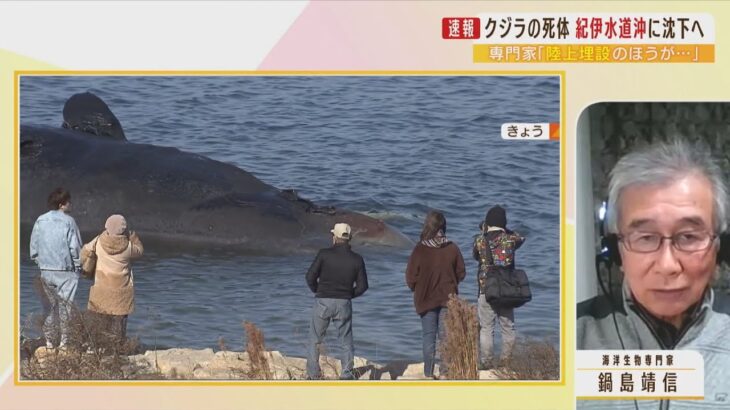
(652, 257)
(331, 227)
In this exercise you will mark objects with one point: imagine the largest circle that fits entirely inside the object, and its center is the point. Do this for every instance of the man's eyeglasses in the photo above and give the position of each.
(643, 242)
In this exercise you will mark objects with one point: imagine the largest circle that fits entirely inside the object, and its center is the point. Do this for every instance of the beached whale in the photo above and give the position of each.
(170, 195)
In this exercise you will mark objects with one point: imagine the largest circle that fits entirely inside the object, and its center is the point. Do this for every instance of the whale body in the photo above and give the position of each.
(169, 195)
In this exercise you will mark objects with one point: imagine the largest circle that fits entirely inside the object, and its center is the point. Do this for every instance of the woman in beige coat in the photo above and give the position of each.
(112, 295)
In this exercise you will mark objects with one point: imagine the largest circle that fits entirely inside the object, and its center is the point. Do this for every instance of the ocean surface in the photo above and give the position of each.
(392, 147)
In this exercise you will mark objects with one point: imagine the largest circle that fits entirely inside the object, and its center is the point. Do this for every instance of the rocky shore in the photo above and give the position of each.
(206, 364)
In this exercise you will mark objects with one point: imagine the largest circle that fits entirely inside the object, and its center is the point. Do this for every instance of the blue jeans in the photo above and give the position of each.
(339, 311)
(433, 322)
(60, 289)
(489, 317)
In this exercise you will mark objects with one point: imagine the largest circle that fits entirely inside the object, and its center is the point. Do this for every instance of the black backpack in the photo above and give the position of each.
(502, 286)
(506, 287)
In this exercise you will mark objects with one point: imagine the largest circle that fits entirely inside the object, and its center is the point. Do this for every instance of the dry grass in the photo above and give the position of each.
(96, 353)
(256, 350)
(460, 350)
(93, 352)
(73, 366)
(531, 360)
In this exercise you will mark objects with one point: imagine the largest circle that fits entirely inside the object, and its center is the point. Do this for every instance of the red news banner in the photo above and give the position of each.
(581, 38)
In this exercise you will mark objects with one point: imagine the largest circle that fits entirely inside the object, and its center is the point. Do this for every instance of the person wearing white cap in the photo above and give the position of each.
(336, 276)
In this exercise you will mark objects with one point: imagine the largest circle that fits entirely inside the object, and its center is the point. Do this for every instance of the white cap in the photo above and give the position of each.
(341, 231)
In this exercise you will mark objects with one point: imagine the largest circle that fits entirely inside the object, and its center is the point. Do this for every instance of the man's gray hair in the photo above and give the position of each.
(662, 163)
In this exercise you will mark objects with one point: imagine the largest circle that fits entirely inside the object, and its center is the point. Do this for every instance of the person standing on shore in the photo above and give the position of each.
(111, 297)
(495, 248)
(336, 276)
(434, 271)
(55, 245)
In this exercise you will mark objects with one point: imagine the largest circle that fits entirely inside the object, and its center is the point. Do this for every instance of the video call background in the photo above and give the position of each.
(618, 128)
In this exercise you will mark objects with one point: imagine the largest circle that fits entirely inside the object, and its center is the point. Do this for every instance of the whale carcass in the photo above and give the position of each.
(167, 194)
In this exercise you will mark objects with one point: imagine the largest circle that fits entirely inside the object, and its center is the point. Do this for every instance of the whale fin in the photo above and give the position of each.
(88, 113)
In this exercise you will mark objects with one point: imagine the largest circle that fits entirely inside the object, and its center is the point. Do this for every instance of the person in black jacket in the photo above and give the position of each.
(336, 276)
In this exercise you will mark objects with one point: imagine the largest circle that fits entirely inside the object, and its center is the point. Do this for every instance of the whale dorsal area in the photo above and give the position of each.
(87, 113)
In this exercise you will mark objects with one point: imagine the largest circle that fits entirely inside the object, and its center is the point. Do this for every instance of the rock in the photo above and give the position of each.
(296, 367)
(141, 361)
(225, 365)
(139, 365)
(227, 356)
(279, 366)
(487, 375)
(179, 363)
(42, 353)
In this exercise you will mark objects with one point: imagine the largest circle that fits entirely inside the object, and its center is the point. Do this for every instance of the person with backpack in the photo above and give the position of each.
(494, 249)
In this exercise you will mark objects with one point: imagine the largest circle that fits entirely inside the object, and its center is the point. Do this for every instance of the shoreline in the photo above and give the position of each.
(207, 364)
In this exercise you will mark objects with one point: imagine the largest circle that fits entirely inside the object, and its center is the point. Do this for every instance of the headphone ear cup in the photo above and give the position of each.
(610, 242)
(723, 254)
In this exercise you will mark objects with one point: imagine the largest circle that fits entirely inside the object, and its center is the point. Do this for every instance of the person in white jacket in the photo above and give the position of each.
(55, 244)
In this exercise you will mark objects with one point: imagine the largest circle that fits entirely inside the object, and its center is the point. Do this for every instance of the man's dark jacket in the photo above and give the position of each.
(334, 272)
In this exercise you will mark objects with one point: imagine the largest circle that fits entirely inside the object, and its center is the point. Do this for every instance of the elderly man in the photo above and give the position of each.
(667, 207)
(336, 276)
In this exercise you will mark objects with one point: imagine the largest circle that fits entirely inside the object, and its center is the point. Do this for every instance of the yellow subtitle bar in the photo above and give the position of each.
(594, 53)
